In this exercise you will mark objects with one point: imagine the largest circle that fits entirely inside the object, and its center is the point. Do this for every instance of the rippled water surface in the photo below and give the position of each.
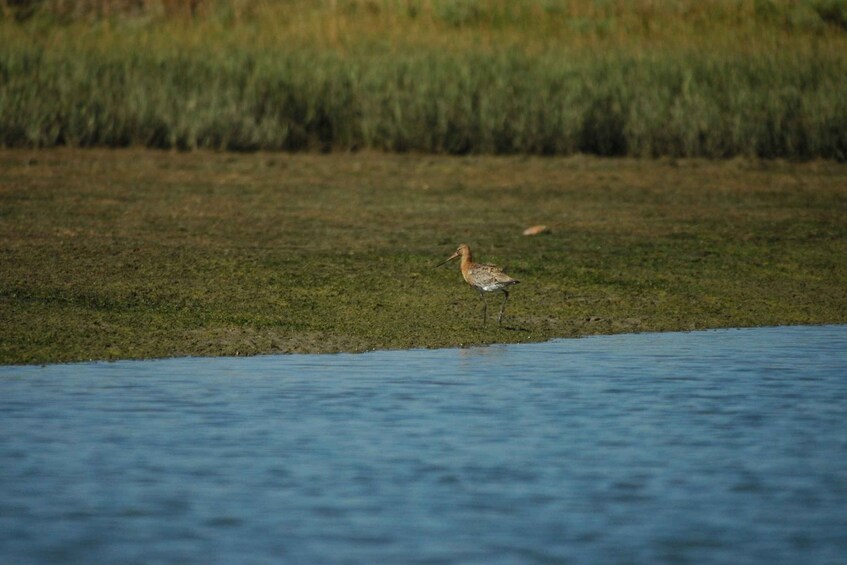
(707, 447)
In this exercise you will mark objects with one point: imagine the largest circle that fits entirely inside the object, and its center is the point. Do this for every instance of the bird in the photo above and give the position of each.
(484, 278)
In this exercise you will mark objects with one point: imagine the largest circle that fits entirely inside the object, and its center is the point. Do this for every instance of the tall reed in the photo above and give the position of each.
(485, 77)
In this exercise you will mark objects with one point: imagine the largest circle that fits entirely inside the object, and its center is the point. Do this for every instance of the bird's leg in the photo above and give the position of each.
(502, 307)
(484, 307)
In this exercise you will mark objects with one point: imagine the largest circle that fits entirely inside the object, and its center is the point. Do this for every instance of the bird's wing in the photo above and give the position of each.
(489, 274)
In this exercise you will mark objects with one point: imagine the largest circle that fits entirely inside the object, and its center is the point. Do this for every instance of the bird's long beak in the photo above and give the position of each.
(447, 260)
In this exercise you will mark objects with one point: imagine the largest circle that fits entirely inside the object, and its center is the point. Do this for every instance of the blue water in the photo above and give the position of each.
(705, 447)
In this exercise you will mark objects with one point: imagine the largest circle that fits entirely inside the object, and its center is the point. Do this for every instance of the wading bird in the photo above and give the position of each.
(484, 278)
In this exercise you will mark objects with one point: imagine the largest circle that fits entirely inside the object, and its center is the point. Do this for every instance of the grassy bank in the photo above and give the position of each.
(125, 254)
(716, 79)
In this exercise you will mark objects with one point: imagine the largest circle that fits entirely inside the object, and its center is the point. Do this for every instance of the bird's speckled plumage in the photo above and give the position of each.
(484, 278)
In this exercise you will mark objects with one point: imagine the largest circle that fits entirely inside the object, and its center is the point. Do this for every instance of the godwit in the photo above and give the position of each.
(484, 278)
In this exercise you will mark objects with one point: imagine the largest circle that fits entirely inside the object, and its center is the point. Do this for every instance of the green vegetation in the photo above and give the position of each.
(763, 78)
(133, 253)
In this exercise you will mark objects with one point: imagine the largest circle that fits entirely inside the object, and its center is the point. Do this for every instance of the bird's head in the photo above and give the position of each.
(461, 251)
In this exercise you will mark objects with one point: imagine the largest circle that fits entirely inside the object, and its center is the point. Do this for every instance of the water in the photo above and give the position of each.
(706, 447)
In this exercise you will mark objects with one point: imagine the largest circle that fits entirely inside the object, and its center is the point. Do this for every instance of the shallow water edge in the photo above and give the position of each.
(359, 352)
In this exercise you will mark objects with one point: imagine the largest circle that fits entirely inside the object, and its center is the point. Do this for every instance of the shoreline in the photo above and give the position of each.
(369, 351)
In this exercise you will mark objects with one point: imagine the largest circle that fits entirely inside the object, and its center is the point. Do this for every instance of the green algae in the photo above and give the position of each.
(136, 254)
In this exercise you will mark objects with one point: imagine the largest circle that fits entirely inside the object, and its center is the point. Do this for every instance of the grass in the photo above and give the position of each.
(131, 253)
(548, 77)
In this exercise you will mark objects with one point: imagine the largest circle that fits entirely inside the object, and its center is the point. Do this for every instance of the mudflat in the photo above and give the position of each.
(136, 253)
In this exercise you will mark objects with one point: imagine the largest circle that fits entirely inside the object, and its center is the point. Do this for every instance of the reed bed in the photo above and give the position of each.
(644, 79)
